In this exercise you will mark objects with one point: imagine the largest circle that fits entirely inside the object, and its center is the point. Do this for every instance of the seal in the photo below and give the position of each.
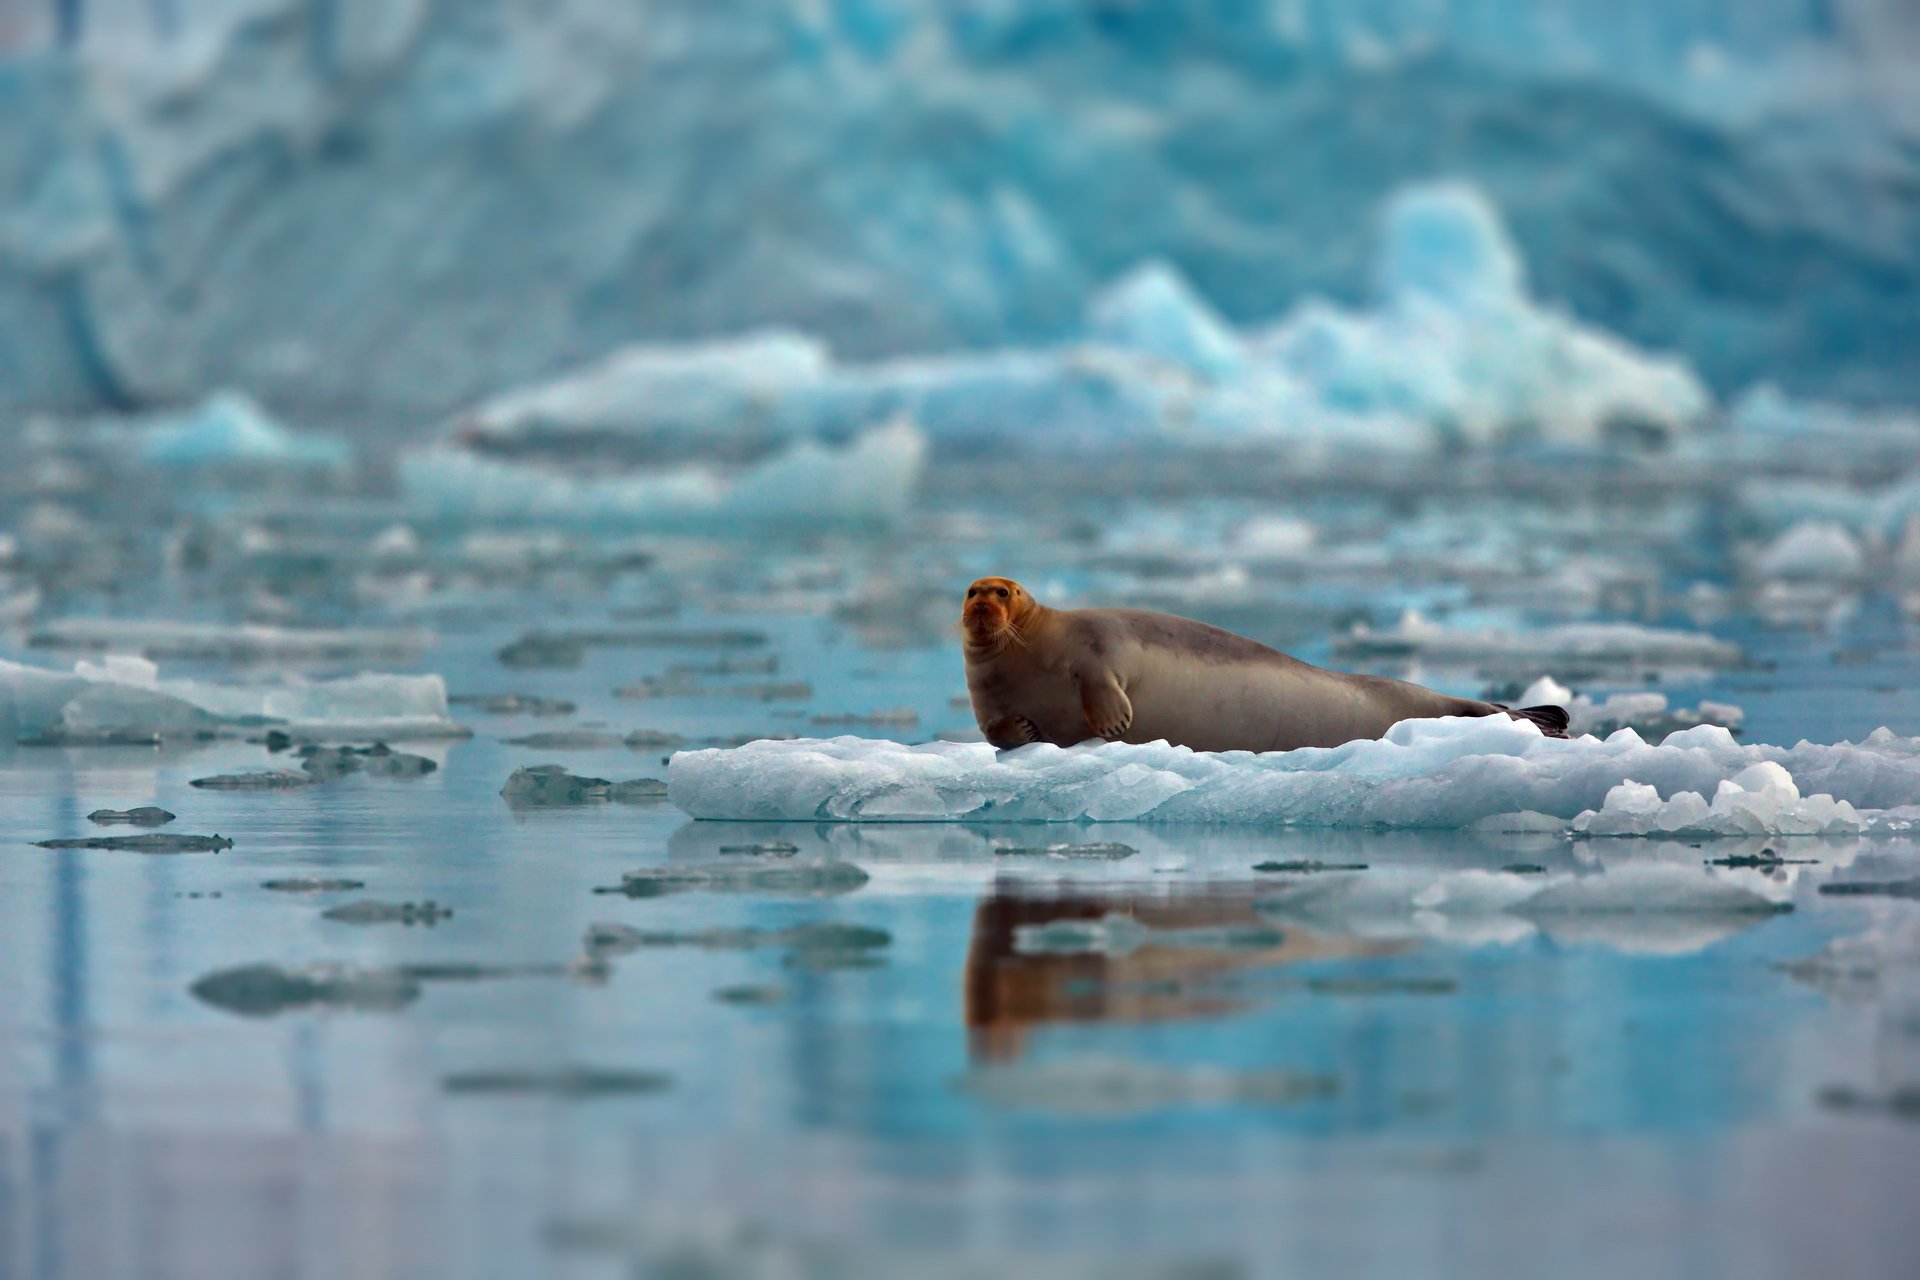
(1037, 674)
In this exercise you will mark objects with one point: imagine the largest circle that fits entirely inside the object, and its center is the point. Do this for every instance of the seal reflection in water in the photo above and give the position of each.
(1128, 675)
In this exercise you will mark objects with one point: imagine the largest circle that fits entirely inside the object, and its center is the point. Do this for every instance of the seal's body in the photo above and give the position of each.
(1127, 675)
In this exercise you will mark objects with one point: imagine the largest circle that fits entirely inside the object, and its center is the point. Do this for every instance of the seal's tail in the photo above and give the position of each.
(1553, 721)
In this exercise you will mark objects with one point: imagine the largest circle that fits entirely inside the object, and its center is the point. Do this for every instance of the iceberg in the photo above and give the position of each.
(1760, 800)
(230, 430)
(1440, 773)
(124, 696)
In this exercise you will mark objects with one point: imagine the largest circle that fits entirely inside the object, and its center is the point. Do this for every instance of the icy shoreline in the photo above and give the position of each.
(1448, 773)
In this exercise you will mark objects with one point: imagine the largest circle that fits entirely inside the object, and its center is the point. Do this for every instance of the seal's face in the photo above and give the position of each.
(993, 610)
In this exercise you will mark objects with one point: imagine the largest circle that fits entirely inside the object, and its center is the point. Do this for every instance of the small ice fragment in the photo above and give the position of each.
(653, 739)
(155, 842)
(569, 740)
(368, 911)
(513, 704)
(1372, 985)
(1307, 866)
(313, 884)
(272, 780)
(773, 849)
(1108, 851)
(750, 994)
(562, 1082)
(787, 877)
(262, 990)
(546, 785)
(1812, 551)
(1873, 888)
(144, 816)
(892, 718)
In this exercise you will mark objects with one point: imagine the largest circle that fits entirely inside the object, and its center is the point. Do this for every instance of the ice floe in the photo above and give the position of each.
(230, 430)
(1443, 773)
(1760, 800)
(1609, 645)
(123, 697)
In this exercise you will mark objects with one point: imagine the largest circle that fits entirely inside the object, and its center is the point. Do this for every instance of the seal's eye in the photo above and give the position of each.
(971, 591)
(1001, 591)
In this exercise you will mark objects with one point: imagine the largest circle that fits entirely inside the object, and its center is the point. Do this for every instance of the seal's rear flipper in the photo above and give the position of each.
(1553, 721)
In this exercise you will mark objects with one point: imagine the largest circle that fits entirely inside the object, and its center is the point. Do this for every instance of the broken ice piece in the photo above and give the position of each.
(569, 740)
(764, 664)
(272, 780)
(1307, 866)
(893, 718)
(561, 1082)
(772, 849)
(651, 739)
(750, 994)
(1108, 851)
(804, 879)
(146, 815)
(513, 704)
(312, 884)
(155, 842)
(262, 990)
(328, 763)
(1764, 860)
(1873, 888)
(550, 785)
(368, 911)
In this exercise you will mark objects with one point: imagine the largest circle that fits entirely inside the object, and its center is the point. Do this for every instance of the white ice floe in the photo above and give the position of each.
(1647, 712)
(1425, 773)
(230, 429)
(228, 642)
(870, 480)
(1760, 800)
(124, 698)
(1607, 644)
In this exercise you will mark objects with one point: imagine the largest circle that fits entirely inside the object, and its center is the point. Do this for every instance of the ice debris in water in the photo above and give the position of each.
(788, 877)
(146, 815)
(1119, 1086)
(550, 785)
(153, 842)
(569, 740)
(324, 764)
(1647, 713)
(262, 990)
(1600, 644)
(559, 1082)
(824, 937)
(124, 696)
(245, 642)
(1442, 773)
(230, 430)
(368, 911)
(1759, 800)
(1107, 851)
(313, 884)
(1909, 888)
(271, 780)
(513, 704)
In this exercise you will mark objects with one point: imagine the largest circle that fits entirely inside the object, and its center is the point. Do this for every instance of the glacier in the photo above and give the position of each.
(900, 178)
(1441, 773)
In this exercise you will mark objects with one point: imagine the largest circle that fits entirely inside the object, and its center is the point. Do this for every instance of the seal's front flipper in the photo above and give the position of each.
(1010, 730)
(1109, 710)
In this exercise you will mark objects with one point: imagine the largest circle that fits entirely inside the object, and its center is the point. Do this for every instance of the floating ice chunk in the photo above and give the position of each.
(561, 1082)
(805, 878)
(1153, 310)
(1812, 551)
(1424, 773)
(152, 842)
(240, 642)
(1607, 644)
(870, 480)
(229, 429)
(270, 780)
(262, 990)
(551, 786)
(145, 816)
(1271, 537)
(1760, 800)
(368, 911)
(125, 696)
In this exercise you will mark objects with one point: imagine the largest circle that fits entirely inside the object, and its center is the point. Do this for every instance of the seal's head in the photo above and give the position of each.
(995, 613)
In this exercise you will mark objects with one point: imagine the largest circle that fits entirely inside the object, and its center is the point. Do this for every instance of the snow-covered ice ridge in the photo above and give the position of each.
(1444, 773)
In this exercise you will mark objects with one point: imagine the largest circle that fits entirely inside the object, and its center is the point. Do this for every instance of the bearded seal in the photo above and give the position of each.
(1128, 675)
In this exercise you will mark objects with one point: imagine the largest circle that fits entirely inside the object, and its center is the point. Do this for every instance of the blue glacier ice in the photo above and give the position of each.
(399, 210)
